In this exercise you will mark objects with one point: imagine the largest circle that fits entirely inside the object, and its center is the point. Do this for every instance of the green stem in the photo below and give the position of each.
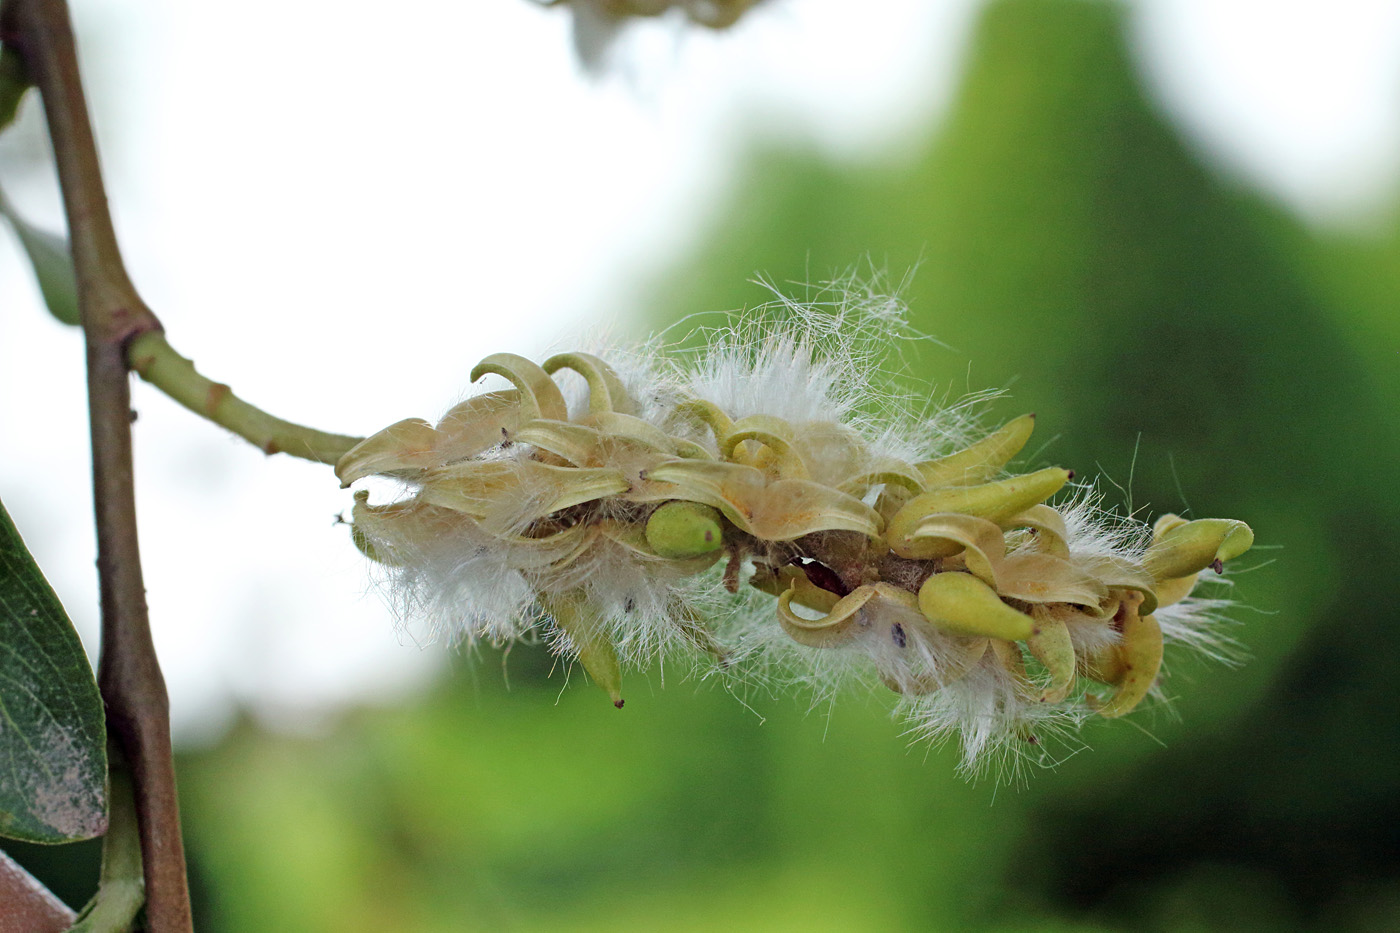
(122, 888)
(152, 357)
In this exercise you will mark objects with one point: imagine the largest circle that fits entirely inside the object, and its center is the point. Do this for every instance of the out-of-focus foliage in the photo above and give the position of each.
(52, 262)
(1188, 341)
(528, 809)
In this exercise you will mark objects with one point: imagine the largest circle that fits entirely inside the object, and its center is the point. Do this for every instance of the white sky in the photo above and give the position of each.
(339, 211)
(1299, 97)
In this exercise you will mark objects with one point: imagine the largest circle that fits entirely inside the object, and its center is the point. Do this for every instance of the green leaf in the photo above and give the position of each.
(53, 744)
(14, 82)
(52, 261)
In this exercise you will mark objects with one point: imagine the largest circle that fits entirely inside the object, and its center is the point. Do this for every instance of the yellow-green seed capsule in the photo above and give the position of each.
(595, 649)
(1140, 659)
(365, 546)
(680, 530)
(962, 604)
(539, 396)
(605, 390)
(983, 460)
(1190, 547)
(995, 502)
(1051, 645)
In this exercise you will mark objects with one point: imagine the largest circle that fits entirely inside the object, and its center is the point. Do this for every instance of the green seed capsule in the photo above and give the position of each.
(1179, 550)
(681, 530)
(964, 605)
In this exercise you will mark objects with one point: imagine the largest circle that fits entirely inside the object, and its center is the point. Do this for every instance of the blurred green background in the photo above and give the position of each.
(1166, 327)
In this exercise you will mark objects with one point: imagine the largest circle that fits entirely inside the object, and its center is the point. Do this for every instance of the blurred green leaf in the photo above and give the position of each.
(52, 737)
(14, 82)
(52, 261)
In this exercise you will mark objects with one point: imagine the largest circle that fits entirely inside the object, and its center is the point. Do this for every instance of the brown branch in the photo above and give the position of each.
(112, 315)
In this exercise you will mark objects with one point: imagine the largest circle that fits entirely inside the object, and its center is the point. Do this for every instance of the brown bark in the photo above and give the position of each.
(112, 315)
